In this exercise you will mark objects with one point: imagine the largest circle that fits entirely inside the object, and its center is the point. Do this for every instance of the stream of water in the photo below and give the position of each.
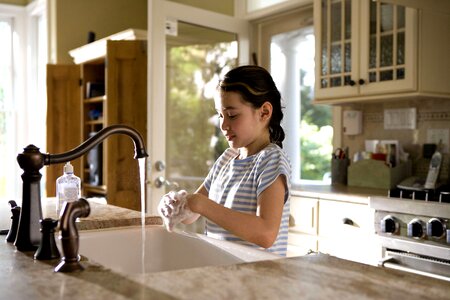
(142, 164)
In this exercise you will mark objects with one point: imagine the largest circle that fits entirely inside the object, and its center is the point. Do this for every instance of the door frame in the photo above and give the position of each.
(159, 11)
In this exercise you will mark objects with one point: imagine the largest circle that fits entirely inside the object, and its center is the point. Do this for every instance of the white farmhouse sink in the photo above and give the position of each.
(134, 250)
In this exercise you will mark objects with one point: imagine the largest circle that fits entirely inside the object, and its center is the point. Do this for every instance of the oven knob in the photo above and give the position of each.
(389, 225)
(416, 228)
(436, 228)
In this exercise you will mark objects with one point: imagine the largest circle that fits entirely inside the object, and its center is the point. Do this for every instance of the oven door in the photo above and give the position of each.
(416, 263)
(419, 257)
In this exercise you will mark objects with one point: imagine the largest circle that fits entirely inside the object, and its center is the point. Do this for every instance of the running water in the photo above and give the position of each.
(142, 163)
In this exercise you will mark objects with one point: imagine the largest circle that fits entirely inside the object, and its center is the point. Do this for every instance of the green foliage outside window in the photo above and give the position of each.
(190, 111)
(199, 142)
(315, 136)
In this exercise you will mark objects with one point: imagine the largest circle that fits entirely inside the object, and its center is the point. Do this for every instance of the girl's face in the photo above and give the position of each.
(242, 125)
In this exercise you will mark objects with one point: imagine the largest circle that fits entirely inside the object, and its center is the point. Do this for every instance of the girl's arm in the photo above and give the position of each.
(260, 229)
(201, 190)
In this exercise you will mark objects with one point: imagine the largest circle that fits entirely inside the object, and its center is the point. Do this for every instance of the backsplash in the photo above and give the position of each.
(430, 114)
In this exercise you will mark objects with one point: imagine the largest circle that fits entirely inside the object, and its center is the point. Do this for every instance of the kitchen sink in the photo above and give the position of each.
(137, 250)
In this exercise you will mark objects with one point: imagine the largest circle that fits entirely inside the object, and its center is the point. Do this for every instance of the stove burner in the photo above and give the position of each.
(438, 195)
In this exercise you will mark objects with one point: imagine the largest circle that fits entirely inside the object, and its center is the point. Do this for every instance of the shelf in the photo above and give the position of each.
(94, 122)
(98, 99)
(95, 51)
(97, 189)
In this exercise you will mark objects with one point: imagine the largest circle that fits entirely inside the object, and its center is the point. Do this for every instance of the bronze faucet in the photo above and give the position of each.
(69, 234)
(31, 160)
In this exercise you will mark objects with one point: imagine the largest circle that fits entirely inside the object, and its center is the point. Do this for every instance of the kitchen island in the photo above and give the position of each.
(316, 276)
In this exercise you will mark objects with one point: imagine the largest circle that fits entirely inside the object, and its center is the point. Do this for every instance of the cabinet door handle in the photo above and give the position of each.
(352, 82)
(361, 81)
(347, 221)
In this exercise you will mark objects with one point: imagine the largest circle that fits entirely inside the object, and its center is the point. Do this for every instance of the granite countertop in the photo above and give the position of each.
(103, 215)
(316, 276)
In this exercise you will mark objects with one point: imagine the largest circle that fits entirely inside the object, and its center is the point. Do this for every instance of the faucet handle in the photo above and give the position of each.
(12, 233)
(47, 248)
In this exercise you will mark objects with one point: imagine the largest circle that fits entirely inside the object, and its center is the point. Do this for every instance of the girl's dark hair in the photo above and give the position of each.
(256, 86)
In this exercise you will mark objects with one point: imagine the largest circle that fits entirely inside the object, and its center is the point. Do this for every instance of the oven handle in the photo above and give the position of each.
(385, 260)
(391, 263)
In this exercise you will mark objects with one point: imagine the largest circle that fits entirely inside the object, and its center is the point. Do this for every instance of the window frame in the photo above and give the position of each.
(264, 28)
(28, 84)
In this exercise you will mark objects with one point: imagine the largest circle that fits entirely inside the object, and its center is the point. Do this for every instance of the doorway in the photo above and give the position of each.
(197, 57)
(191, 49)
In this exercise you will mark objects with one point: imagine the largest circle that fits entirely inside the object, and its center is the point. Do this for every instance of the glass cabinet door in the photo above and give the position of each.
(387, 42)
(388, 50)
(337, 48)
(364, 48)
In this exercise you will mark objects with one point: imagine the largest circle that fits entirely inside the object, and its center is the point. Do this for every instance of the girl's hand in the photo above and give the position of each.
(173, 209)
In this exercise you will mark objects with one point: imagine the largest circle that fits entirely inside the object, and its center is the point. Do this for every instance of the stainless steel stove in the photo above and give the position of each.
(414, 233)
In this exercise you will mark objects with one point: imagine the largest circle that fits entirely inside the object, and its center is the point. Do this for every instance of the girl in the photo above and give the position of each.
(245, 197)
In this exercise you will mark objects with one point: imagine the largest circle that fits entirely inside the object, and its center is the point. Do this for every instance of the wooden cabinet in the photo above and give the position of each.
(346, 231)
(63, 118)
(112, 89)
(339, 228)
(304, 225)
(369, 50)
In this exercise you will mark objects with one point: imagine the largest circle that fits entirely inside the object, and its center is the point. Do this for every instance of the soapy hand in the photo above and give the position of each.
(173, 209)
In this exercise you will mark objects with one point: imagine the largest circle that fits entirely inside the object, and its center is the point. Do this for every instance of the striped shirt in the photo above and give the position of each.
(237, 184)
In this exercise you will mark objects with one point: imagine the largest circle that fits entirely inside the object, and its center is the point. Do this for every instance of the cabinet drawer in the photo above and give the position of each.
(304, 213)
(301, 244)
(343, 219)
(346, 231)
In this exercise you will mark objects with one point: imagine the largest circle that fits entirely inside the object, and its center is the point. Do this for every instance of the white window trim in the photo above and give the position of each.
(17, 14)
(25, 80)
(240, 8)
(36, 97)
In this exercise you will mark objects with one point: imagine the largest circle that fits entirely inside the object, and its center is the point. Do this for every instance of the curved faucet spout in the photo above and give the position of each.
(139, 147)
(31, 160)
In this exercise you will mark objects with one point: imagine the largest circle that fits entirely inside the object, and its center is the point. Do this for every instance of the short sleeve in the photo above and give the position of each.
(273, 163)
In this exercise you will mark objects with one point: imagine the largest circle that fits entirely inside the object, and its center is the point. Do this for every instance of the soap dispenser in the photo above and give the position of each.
(68, 187)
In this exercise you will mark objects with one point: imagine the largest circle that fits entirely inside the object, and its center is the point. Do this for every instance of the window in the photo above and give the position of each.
(23, 56)
(289, 55)
(7, 112)
(196, 59)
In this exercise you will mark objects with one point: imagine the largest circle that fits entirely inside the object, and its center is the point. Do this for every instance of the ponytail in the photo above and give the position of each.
(276, 134)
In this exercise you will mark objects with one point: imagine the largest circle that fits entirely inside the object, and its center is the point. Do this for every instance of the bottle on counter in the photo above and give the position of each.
(68, 187)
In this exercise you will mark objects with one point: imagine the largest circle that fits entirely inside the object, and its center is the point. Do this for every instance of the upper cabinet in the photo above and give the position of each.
(369, 50)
